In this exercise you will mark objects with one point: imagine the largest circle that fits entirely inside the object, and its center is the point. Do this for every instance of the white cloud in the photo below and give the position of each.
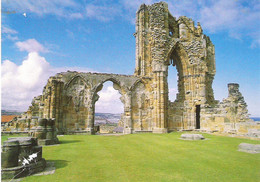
(256, 40)
(61, 8)
(12, 38)
(20, 83)
(76, 16)
(70, 34)
(109, 101)
(240, 19)
(9, 33)
(222, 15)
(172, 94)
(7, 30)
(102, 13)
(31, 45)
(235, 17)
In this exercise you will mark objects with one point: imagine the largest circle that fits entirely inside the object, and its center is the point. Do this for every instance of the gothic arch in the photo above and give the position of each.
(125, 97)
(75, 103)
(136, 84)
(177, 56)
(178, 52)
(73, 79)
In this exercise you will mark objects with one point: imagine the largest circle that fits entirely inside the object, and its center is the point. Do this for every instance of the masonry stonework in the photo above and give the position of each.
(162, 41)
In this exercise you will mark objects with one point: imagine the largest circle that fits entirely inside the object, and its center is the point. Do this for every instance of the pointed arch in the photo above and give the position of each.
(73, 79)
(177, 51)
(177, 56)
(136, 84)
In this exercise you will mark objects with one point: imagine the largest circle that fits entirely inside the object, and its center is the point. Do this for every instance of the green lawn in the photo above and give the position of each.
(150, 157)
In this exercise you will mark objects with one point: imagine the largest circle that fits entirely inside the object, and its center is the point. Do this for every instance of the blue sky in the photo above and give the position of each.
(60, 35)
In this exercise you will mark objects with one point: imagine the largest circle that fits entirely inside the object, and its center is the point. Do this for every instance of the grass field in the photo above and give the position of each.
(149, 157)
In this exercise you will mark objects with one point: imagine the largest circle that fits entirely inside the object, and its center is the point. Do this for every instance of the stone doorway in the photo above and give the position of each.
(197, 116)
(107, 117)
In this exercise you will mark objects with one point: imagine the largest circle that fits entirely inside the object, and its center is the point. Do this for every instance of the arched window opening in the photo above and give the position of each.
(172, 82)
(108, 110)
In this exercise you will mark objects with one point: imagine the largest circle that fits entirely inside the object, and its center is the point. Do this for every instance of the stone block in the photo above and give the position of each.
(10, 153)
(160, 130)
(21, 157)
(249, 148)
(45, 142)
(192, 137)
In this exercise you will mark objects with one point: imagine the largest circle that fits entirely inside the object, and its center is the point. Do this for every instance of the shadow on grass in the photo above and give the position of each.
(59, 163)
(69, 141)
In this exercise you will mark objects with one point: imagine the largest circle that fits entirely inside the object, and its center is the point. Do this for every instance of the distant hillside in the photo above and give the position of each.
(107, 118)
(108, 115)
(5, 112)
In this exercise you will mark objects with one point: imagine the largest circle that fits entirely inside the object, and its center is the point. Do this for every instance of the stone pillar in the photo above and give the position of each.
(46, 132)
(90, 120)
(128, 124)
(59, 109)
(233, 89)
(10, 153)
(49, 129)
(53, 99)
(161, 102)
(40, 131)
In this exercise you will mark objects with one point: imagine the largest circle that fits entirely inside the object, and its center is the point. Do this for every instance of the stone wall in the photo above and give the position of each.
(230, 116)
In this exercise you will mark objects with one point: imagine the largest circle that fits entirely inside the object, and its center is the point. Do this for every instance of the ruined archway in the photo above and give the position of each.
(108, 110)
(141, 110)
(75, 104)
(124, 99)
(177, 57)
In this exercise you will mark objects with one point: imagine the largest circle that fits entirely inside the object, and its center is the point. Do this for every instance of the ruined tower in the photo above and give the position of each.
(163, 41)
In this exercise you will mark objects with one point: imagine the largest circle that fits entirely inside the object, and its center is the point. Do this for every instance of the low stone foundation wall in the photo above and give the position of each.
(21, 157)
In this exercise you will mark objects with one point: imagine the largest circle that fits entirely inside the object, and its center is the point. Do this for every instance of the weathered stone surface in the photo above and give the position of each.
(21, 157)
(45, 132)
(162, 41)
(192, 137)
(249, 148)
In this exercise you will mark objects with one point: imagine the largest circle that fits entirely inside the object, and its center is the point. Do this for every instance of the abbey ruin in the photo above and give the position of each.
(162, 41)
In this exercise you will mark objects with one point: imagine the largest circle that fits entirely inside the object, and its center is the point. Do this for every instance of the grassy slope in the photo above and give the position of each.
(150, 157)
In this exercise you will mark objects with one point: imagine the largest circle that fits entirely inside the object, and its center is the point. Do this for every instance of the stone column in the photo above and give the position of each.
(40, 131)
(161, 102)
(53, 99)
(58, 108)
(93, 97)
(10, 153)
(128, 125)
